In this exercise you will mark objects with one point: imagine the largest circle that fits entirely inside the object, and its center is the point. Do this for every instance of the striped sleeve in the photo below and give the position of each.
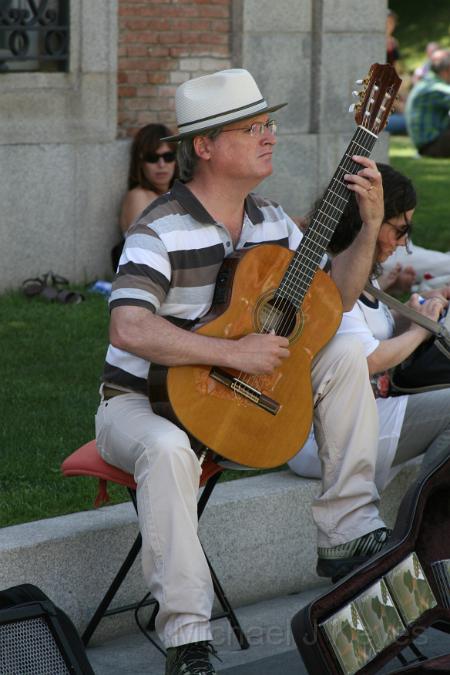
(144, 273)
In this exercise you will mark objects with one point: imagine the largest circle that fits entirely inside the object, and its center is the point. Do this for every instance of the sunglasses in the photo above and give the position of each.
(153, 158)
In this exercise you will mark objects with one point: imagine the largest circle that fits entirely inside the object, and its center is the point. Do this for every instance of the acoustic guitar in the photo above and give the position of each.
(262, 421)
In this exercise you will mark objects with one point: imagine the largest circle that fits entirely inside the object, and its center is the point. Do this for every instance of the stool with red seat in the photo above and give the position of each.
(86, 461)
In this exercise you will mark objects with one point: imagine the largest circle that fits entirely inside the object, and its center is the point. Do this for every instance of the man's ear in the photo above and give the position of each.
(202, 147)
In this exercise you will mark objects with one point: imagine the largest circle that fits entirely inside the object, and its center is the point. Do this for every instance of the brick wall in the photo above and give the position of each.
(161, 44)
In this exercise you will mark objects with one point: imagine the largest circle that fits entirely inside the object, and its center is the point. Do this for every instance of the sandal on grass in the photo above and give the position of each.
(48, 285)
(57, 279)
(62, 295)
(33, 287)
(69, 297)
(49, 293)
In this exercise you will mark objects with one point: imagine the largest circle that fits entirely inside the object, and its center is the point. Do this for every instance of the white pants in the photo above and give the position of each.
(346, 430)
(167, 473)
(132, 437)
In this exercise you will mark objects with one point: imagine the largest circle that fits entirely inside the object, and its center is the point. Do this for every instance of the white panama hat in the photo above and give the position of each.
(211, 101)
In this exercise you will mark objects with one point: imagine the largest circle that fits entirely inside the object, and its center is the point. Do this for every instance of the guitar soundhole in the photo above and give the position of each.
(280, 316)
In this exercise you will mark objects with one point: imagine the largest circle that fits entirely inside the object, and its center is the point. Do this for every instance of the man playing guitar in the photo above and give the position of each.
(167, 272)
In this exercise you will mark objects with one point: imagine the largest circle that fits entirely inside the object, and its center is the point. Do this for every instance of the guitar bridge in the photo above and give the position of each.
(246, 390)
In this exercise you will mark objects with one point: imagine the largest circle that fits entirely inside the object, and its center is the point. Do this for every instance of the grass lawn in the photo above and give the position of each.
(53, 356)
(431, 178)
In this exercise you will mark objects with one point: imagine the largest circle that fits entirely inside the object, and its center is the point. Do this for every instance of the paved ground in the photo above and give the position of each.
(272, 648)
(267, 626)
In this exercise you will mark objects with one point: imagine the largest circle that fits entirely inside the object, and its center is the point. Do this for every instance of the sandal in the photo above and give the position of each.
(33, 287)
(49, 293)
(69, 297)
(36, 285)
(57, 279)
(48, 287)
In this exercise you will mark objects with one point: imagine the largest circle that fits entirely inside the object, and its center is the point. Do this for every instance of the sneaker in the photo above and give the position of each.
(190, 659)
(336, 562)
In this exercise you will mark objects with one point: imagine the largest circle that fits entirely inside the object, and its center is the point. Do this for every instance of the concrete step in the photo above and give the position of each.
(258, 533)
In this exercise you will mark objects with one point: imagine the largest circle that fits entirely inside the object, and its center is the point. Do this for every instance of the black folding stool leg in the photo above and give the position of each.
(103, 607)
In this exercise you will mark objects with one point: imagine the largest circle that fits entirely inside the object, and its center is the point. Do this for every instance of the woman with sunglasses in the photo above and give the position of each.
(151, 173)
(412, 424)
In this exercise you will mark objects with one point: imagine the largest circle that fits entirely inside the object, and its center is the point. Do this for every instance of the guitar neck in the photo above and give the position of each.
(308, 257)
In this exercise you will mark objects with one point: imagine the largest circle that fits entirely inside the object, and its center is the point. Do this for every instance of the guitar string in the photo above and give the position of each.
(297, 273)
(320, 228)
(337, 188)
(384, 106)
(298, 270)
(345, 166)
(300, 267)
(358, 140)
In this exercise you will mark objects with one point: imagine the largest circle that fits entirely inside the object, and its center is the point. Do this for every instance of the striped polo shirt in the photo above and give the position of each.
(170, 262)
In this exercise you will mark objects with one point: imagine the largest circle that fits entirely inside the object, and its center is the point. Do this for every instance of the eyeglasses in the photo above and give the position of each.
(401, 230)
(152, 158)
(258, 128)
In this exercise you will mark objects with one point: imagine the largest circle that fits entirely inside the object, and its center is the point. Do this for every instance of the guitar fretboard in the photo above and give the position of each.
(308, 257)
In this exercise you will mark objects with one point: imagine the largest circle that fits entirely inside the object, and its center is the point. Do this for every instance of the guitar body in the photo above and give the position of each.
(269, 432)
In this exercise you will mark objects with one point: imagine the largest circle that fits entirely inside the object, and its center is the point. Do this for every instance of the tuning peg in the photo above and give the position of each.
(359, 82)
(353, 107)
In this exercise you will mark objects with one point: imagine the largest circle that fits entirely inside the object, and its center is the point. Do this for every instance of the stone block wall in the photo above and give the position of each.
(309, 53)
(64, 137)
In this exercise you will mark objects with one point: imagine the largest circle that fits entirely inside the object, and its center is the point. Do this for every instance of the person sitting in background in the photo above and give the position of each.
(396, 122)
(392, 47)
(151, 173)
(409, 266)
(428, 106)
(413, 424)
(424, 69)
(415, 268)
(397, 279)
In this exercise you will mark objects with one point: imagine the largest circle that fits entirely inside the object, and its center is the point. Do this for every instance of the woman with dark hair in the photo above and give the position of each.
(152, 171)
(412, 424)
(399, 197)
(408, 264)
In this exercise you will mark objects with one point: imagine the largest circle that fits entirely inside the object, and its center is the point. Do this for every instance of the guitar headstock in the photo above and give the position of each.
(377, 97)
